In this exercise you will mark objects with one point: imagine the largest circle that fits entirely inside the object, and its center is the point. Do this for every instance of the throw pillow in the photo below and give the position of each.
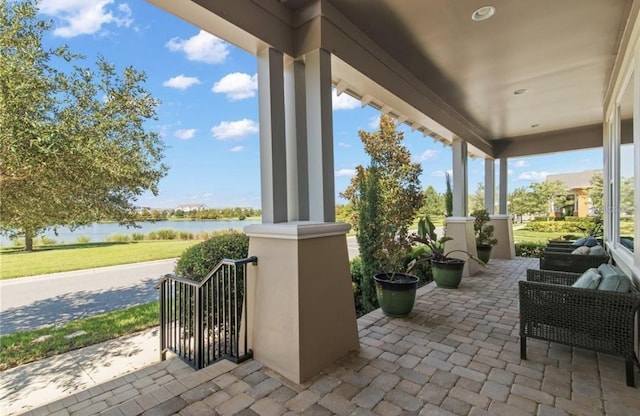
(597, 250)
(590, 242)
(589, 279)
(613, 279)
(581, 250)
(579, 242)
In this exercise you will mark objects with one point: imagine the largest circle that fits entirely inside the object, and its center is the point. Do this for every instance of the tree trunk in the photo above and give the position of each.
(28, 242)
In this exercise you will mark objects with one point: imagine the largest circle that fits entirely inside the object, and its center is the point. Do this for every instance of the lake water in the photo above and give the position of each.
(98, 232)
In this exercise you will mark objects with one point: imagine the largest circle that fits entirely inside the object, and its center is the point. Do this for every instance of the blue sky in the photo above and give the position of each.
(209, 112)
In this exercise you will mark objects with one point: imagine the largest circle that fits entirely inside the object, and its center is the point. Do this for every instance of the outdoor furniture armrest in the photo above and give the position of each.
(592, 319)
(567, 262)
(552, 276)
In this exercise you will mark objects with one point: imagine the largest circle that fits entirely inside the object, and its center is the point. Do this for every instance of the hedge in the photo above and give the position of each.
(198, 260)
(530, 249)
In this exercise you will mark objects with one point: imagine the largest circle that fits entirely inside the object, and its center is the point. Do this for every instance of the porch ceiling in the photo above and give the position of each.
(454, 76)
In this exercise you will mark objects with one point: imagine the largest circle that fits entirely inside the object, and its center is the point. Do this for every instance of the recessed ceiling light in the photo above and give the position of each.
(533, 126)
(483, 13)
(520, 91)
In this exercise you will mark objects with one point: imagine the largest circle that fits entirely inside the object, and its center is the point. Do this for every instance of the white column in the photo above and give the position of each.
(460, 191)
(296, 141)
(489, 185)
(320, 136)
(273, 170)
(503, 185)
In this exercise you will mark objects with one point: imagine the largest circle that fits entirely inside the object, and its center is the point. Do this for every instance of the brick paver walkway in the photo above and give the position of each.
(456, 354)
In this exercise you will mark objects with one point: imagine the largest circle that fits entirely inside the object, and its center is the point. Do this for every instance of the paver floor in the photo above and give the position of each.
(456, 354)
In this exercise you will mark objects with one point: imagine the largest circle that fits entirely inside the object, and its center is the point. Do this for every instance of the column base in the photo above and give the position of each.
(461, 230)
(300, 301)
(503, 232)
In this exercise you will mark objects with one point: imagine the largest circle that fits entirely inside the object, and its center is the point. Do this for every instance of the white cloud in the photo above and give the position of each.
(345, 172)
(343, 101)
(426, 155)
(521, 163)
(237, 149)
(203, 47)
(345, 145)
(234, 130)
(82, 17)
(534, 176)
(237, 86)
(181, 82)
(441, 173)
(509, 171)
(374, 123)
(185, 134)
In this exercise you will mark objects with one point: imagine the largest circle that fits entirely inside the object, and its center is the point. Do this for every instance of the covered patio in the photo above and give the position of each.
(456, 354)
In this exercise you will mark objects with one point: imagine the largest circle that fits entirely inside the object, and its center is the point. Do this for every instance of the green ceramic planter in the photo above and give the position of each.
(447, 274)
(396, 297)
(484, 253)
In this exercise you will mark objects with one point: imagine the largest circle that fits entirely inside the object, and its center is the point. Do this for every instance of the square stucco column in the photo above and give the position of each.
(504, 172)
(273, 165)
(489, 185)
(503, 232)
(301, 310)
(460, 180)
(461, 230)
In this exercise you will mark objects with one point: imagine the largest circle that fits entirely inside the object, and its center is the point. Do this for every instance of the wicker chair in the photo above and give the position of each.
(603, 321)
(567, 262)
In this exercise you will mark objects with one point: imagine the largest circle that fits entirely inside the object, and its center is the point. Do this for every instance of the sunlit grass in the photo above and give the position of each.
(19, 348)
(61, 258)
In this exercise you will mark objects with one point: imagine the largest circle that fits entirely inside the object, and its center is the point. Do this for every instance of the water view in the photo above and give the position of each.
(100, 231)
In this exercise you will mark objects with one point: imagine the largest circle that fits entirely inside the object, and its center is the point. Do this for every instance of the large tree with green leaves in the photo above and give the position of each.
(433, 203)
(596, 194)
(74, 147)
(548, 195)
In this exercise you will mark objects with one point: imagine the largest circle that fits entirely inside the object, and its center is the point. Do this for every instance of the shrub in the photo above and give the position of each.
(355, 267)
(117, 238)
(137, 236)
(166, 234)
(46, 241)
(530, 249)
(185, 235)
(83, 239)
(198, 260)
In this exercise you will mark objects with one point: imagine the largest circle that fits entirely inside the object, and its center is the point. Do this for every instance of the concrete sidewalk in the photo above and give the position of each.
(38, 383)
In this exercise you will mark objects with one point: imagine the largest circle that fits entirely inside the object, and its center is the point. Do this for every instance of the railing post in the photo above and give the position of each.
(163, 330)
(197, 336)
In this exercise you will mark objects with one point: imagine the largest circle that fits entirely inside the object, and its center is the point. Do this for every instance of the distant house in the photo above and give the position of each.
(577, 185)
(191, 207)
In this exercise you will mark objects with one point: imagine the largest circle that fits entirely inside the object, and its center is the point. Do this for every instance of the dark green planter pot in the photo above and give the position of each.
(396, 298)
(447, 274)
(484, 253)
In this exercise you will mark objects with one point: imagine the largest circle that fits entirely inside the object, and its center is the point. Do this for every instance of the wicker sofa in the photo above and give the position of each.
(567, 262)
(598, 320)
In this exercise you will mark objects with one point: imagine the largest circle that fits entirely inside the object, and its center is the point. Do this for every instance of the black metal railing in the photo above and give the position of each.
(201, 321)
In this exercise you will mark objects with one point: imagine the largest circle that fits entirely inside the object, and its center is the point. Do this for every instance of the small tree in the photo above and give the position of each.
(596, 194)
(476, 200)
(448, 196)
(386, 196)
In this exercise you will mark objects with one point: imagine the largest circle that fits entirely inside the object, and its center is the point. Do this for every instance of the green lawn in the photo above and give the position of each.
(527, 236)
(22, 347)
(61, 258)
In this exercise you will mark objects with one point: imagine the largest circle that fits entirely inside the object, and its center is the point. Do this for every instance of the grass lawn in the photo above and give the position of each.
(527, 236)
(62, 258)
(20, 348)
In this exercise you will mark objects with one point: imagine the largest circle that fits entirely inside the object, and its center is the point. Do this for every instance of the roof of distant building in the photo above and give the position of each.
(575, 180)
(190, 206)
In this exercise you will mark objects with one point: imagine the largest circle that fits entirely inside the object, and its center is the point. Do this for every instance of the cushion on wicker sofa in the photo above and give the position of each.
(581, 250)
(613, 279)
(589, 279)
(586, 241)
(596, 250)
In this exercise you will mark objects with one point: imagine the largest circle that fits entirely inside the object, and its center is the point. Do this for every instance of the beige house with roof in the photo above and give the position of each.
(578, 185)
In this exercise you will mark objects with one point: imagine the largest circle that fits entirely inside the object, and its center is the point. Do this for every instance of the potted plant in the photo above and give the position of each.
(447, 271)
(484, 234)
(396, 290)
